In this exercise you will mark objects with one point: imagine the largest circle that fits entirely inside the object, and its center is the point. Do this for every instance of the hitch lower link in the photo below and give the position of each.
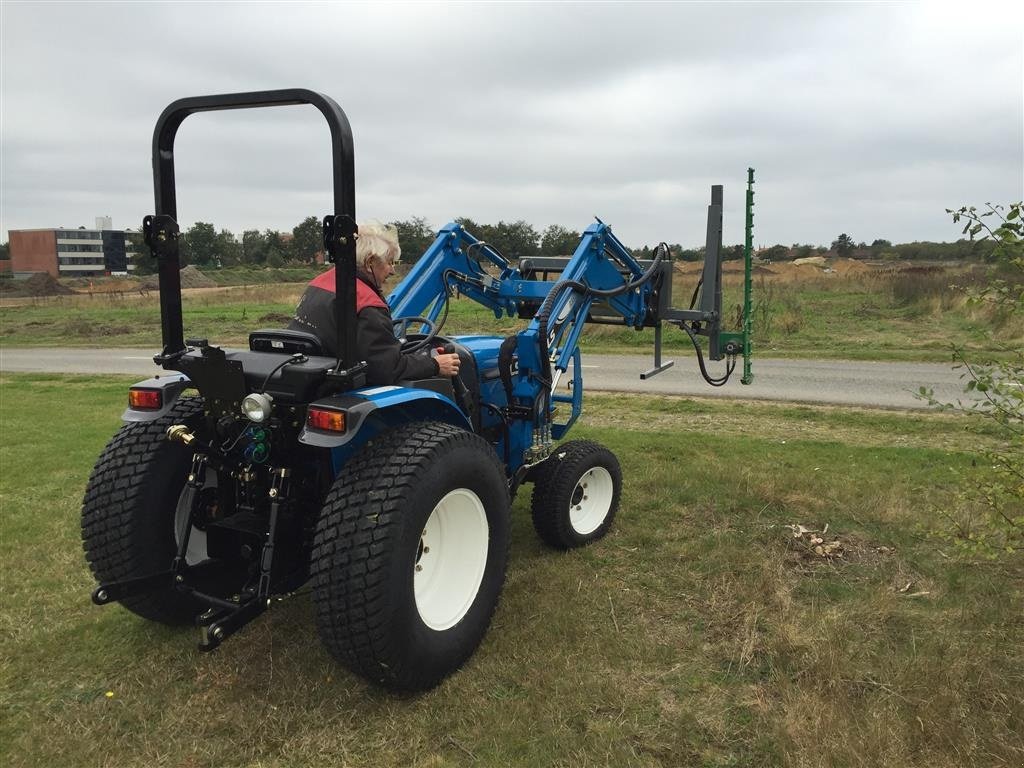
(224, 617)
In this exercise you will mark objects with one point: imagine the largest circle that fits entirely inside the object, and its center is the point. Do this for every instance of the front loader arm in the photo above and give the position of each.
(454, 259)
(602, 282)
(601, 270)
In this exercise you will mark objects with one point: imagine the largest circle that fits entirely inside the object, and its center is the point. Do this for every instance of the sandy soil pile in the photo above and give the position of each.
(850, 267)
(193, 278)
(190, 278)
(817, 261)
(802, 269)
(45, 284)
(797, 271)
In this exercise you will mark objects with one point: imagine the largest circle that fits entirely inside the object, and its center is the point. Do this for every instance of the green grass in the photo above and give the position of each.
(699, 632)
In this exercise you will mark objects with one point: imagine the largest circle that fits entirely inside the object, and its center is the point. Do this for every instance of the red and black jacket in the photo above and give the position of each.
(375, 336)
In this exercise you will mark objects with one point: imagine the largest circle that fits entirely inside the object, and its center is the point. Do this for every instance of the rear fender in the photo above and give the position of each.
(371, 411)
(170, 385)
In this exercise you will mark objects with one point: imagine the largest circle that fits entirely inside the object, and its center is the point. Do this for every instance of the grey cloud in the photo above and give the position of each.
(867, 118)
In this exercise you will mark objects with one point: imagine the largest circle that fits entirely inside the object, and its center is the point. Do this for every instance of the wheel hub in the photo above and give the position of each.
(591, 500)
(450, 558)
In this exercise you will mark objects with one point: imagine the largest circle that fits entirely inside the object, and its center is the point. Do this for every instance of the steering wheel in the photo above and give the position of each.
(401, 328)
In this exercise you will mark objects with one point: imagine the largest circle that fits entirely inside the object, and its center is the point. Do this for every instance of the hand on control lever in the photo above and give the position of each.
(447, 364)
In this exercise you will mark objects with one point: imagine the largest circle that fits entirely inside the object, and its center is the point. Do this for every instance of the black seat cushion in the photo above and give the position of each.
(285, 342)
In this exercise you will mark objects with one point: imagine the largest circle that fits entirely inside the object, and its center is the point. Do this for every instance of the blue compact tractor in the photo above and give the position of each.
(241, 475)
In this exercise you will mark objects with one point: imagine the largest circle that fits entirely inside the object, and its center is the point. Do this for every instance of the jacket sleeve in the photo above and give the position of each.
(377, 345)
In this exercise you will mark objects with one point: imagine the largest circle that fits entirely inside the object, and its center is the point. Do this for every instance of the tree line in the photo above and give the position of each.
(205, 246)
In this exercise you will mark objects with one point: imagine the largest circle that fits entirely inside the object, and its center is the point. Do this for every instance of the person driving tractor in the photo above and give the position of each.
(377, 250)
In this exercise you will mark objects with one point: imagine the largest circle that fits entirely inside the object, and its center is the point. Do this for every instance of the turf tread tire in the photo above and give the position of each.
(365, 612)
(128, 510)
(553, 487)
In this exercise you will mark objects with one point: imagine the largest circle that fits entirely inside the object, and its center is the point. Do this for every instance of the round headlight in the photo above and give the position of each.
(257, 406)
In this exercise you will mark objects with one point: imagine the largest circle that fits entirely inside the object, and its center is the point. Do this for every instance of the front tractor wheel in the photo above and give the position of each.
(410, 553)
(576, 494)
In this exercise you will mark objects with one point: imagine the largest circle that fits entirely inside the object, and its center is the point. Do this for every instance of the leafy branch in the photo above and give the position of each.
(988, 517)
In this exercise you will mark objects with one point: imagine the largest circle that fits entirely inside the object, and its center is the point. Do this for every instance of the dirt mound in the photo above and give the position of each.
(45, 284)
(193, 278)
(275, 319)
(809, 268)
(190, 278)
(791, 271)
(850, 267)
(818, 261)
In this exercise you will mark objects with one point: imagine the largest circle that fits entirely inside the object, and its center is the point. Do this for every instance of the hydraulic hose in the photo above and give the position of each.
(547, 305)
(298, 357)
(730, 364)
(506, 352)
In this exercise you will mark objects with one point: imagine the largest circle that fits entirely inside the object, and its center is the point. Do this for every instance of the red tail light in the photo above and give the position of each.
(330, 421)
(145, 399)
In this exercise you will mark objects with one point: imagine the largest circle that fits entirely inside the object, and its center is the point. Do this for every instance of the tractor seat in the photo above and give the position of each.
(285, 342)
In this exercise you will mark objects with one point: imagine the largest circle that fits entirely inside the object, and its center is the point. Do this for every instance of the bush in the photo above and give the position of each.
(988, 518)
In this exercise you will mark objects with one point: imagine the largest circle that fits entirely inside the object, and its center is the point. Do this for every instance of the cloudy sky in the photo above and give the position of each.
(863, 118)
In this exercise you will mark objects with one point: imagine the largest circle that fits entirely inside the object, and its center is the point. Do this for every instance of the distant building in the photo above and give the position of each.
(72, 252)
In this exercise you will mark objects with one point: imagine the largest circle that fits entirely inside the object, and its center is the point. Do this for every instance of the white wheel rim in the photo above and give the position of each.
(591, 500)
(450, 559)
(196, 551)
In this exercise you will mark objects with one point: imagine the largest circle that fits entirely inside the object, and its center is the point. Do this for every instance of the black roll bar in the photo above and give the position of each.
(162, 230)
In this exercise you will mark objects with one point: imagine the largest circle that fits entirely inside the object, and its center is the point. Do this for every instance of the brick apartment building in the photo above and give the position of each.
(72, 252)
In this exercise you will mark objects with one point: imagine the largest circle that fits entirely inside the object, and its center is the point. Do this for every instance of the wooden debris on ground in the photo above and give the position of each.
(814, 541)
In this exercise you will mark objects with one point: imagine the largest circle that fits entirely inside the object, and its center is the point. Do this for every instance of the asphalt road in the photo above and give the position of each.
(838, 382)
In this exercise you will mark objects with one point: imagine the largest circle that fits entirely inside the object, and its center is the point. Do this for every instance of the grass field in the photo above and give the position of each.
(700, 632)
(866, 316)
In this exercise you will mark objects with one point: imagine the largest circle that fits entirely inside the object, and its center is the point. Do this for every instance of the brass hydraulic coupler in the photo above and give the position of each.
(180, 433)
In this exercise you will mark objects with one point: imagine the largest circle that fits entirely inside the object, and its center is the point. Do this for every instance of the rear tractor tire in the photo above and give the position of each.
(576, 494)
(132, 508)
(410, 554)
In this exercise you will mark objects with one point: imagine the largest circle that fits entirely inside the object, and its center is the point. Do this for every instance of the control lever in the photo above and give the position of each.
(461, 390)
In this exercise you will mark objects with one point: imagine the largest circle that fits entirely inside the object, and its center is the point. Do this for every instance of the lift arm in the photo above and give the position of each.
(602, 282)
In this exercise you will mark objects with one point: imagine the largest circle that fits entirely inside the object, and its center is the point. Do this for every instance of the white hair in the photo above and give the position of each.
(377, 241)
